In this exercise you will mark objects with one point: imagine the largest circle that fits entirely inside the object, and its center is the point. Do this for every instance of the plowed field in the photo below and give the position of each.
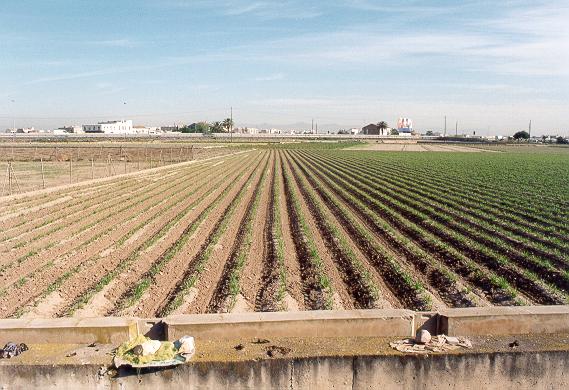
(293, 229)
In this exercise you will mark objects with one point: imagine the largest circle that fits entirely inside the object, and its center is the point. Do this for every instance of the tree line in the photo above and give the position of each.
(203, 127)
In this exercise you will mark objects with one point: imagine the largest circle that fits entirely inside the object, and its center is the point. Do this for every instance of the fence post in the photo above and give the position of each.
(10, 177)
(42, 174)
(70, 169)
(92, 169)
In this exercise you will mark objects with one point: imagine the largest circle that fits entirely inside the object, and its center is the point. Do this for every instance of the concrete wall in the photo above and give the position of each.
(68, 330)
(543, 370)
(504, 320)
(354, 323)
(317, 323)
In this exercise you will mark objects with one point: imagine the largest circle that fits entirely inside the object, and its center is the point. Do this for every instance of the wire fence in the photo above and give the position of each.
(29, 168)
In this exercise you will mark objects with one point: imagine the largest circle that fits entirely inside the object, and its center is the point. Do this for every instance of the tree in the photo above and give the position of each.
(343, 132)
(227, 124)
(202, 127)
(429, 133)
(217, 127)
(562, 141)
(521, 135)
(382, 125)
(394, 132)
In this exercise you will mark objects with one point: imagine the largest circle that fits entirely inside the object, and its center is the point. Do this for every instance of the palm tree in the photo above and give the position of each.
(217, 127)
(382, 126)
(227, 124)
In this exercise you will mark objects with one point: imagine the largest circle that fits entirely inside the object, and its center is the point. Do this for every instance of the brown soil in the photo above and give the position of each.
(171, 277)
(93, 266)
(344, 298)
(150, 256)
(387, 299)
(109, 257)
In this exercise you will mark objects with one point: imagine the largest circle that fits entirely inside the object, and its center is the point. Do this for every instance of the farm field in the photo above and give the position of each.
(413, 147)
(293, 228)
(42, 165)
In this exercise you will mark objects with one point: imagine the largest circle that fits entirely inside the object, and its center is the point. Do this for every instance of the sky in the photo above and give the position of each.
(490, 65)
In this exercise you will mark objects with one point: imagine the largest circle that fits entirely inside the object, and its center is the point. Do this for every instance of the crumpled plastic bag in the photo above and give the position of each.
(143, 352)
(12, 349)
(440, 343)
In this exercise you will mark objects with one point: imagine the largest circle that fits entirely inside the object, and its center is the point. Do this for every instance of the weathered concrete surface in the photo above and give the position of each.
(504, 320)
(317, 323)
(539, 362)
(70, 330)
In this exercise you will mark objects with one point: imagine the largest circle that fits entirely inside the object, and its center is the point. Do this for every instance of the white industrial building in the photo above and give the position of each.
(110, 127)
(68, 130)
(146, 130)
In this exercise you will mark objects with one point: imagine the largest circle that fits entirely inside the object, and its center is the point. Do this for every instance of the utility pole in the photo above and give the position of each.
(316, 127)
(312, 127)
(529, 129)
(42, 174)
(14, 116)
(456, 129)
(445, 133)
(231, 123)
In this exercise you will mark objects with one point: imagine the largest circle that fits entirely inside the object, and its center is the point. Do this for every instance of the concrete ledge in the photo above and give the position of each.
(354, 323)
(69, 330)
(539, 362)
(349, 323)
(504, 320)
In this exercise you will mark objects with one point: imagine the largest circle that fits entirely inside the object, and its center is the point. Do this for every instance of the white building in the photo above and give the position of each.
(146, 130)
(110, 127)
(69, 130)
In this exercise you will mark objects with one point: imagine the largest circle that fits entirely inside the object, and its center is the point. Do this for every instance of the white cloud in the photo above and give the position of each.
(271, 77)
(531, 42)
(245, 9)
(123, 42)
(284, 9)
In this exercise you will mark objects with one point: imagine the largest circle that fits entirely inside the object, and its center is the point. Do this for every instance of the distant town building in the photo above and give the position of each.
(24, 130)
(170, 129)
(110, 127)
(354, 130)
(146, 130)
(76, 129)
(404, 125)
(246, 130)
(373, 129)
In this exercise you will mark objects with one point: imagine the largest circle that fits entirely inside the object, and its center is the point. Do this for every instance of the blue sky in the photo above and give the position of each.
(490, 65)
